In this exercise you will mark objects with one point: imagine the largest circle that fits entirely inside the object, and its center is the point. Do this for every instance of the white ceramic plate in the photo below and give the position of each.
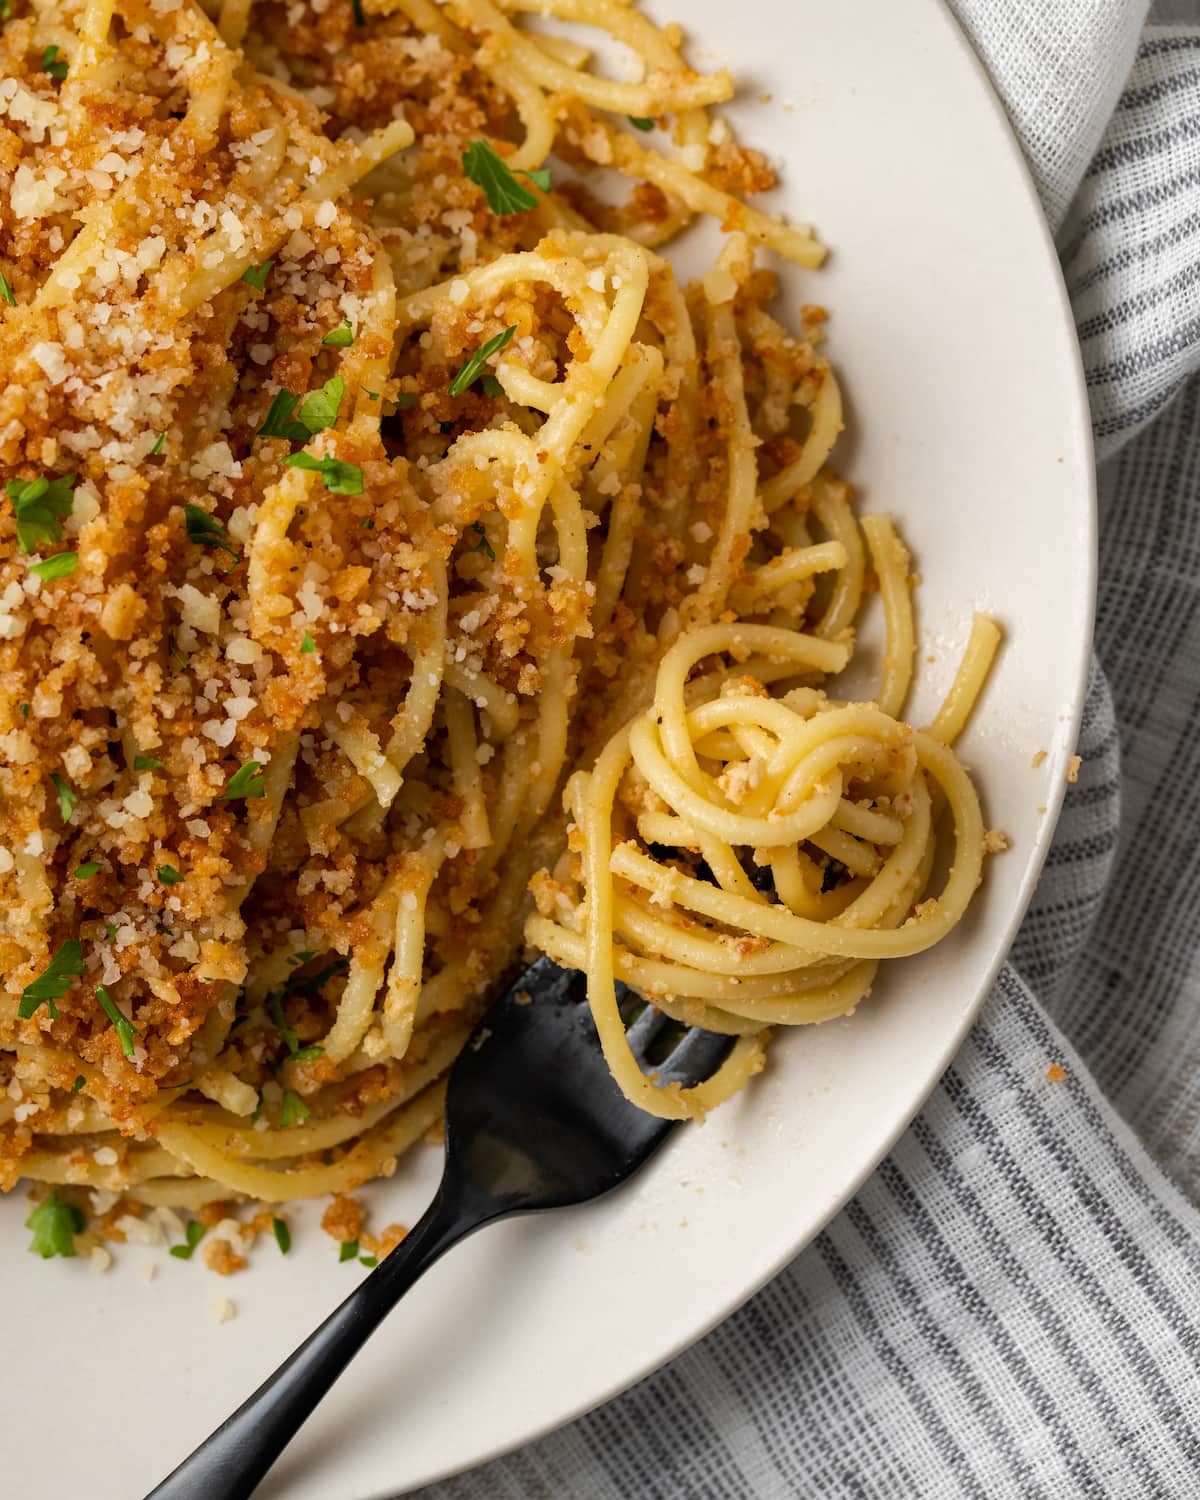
(952, 335)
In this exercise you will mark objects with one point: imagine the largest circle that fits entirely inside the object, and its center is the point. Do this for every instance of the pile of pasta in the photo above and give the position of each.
(372, 482)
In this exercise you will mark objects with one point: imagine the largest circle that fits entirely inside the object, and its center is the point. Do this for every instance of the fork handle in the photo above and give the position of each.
(229, 1464)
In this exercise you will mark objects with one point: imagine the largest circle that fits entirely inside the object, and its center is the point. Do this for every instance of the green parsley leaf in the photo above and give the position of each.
(256, 276)
(40, 505)
(67, 796)
(5, 11)
(349, 1250)
(279, 1020)
(640, 122)
(370, 1261)
(283, 1235)
(169, 875)
(147, 763)
(320, 408)
(492, 387)
(307, 645)
(110, 930)
(246, 781)
(173, 650)
(55, 1225)
(124, 1027)
(340, 337)
(505, 195)
(86, 871)
(160, 443)
(834, 871)
(368, 524)
(276, 423)
(473, 368)
(405, 400)
(306, 1054)
(24, 707)
(296, 959)
(293, 1109)
(53, 982)
(80, 1080)
(61, 565)
(53, 64)
(206, 531)
(194, 1231)
(359, 18)
(6, 291)
(340, 478)
(482, 545)
(316, 981)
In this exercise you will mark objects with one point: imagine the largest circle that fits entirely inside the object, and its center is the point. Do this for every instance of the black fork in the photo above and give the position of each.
(533, 1120)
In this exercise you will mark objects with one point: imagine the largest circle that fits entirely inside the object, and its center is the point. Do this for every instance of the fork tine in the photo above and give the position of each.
(642, 1034)
(696, 1057)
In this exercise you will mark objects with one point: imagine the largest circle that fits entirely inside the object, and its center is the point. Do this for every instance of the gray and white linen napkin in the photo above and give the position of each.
(1011, 1306)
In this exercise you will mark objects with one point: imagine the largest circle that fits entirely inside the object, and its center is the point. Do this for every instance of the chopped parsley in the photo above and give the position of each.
(193, 1233)
(206, 531)
(489, 171)
(314, 982)
(160, 443)
(293, 1109)
(349, 1250)
(320, 408)
(276, 423)
(340, 337)
(55, 1225)
(80, 1080)
(482, 545)
(296, 1052)
(492, 387)
(110, 930)
(146, 763)
(359, 18)
(832, 876)
(67, 796)
(6, 291)
(40, 506)
(246, 781)
(370, 1261)
(62, 565)
(122, 1025)
(405, 400)
(296, 959)
(473, 368)
(86, 871)
(173, 650)
(169, 875)
(283, 1235)
(53, 982)
(641, 122)
(307, 645)
(256, 276)
(340, 478)
(24, 707)
(53, 64)
(318, 411)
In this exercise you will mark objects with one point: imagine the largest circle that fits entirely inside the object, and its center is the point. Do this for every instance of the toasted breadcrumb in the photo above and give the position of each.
(1038, 758)
(1073, 766)
(1056, 1074)
(995, 841)
(344, 1219)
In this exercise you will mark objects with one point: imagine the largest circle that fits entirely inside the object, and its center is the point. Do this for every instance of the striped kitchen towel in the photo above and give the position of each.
(1011, 1306)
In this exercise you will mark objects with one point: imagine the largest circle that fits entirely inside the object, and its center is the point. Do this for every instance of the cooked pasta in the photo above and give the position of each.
(372, 486)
